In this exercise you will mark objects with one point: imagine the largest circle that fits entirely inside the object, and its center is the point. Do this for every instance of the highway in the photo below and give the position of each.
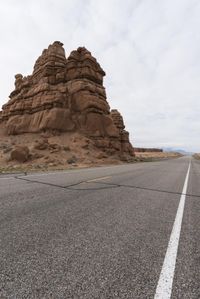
(128, 231)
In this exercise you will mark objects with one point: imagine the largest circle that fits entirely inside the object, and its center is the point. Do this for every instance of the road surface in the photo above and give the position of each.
(102, 232)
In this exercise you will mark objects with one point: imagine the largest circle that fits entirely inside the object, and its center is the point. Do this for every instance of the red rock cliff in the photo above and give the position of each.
(66, 95)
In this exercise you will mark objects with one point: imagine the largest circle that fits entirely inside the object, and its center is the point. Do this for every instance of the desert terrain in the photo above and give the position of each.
(59, 118)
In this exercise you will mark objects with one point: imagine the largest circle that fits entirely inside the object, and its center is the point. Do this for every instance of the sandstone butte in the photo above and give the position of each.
(66, 96)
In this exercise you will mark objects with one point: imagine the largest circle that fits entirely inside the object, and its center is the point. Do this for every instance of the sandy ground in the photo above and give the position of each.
(197, 156)
(64, 151)
(156, 155)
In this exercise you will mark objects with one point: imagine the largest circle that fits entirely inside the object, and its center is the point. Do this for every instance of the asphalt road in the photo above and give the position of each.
(99, 232)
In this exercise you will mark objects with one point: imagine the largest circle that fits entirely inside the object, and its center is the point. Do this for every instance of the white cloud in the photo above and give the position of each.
(148, 48)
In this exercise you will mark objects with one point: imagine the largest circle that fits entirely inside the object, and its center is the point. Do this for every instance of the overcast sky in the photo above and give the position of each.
(149, 49)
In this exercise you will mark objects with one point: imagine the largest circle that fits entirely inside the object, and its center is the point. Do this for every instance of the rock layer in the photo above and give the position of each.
(65, 95)
(147, 150)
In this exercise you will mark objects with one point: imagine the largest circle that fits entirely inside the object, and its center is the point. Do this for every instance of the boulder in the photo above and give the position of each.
(20, 154)
(41, 144)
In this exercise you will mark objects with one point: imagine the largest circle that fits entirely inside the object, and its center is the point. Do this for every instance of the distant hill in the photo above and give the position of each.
(181, 151)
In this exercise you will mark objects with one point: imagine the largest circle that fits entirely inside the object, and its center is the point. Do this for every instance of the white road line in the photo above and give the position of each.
(99, 179)
(164, 286)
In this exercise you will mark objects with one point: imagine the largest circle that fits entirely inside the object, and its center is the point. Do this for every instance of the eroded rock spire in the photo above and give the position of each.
(66, 95)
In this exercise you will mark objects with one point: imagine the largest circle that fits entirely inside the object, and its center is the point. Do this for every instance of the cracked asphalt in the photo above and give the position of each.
(99, 232)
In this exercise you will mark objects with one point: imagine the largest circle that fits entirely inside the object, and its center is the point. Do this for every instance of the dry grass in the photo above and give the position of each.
(151, 156)
(197, 156)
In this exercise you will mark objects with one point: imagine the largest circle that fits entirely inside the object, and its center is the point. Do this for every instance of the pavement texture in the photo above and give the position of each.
(99, 232)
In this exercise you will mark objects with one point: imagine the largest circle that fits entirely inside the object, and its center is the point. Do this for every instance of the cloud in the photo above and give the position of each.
(149, 50)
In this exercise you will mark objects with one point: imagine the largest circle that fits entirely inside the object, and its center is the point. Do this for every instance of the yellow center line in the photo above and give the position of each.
(99, 179)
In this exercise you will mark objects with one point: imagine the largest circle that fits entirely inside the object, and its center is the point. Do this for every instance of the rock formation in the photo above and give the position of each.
(147, 150)
(66, 95)
(123, 134)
